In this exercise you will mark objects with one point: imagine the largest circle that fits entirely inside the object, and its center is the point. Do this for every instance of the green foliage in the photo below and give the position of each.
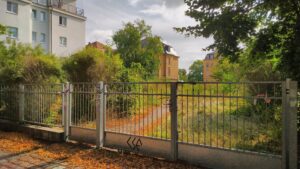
(21, 63)
(182, 75)
(266, 117)
(128, 41)
(92, 65)
(196, 71)
(2, 29)
(226, 71)
(263, 29)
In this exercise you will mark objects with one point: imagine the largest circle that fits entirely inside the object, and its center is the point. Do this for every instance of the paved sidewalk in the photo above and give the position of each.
(29, 159)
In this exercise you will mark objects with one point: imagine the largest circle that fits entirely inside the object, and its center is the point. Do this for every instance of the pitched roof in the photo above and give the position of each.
(168, 49)
(97, 45)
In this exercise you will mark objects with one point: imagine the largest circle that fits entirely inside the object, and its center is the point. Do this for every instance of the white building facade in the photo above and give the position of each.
(58, 26)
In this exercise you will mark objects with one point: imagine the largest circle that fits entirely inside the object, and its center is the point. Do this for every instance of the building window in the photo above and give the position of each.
(12, 7)
(62, 21)
(63, 41)
(13, 32)
(43, 37)
(43, 16)
(34, 14)
(33, 36)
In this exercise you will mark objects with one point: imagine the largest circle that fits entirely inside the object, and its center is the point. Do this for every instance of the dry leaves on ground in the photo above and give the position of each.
(17, 142)
(83, 156)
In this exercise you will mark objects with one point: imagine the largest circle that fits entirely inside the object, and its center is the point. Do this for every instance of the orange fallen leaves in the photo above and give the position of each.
(82, 156)
(16, 142)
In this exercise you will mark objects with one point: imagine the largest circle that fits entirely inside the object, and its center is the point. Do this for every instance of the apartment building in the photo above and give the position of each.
(209, 63)
(58, 26)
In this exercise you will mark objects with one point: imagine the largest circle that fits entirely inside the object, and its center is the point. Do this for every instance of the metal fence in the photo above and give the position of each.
(9, 102)
(60, 5)
(190, 121)
(83, 103)
(236, 116)
(42, 104)
(35, 104)
(139, 109)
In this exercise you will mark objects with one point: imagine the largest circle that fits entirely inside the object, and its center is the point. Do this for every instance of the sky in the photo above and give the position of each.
(104, 17)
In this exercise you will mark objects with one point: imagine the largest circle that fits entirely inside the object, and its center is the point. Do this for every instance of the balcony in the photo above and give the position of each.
(58, 4)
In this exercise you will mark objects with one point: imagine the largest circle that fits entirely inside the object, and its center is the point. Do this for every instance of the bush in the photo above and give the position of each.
(21, 63)
(92, 65)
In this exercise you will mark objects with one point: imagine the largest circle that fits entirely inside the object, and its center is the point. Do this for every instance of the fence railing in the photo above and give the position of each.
(84, 98)
(9, 102)
(139, 108)
(42, 104)
(255, 117)
(60, 5)
(36, 104)
(237, 116)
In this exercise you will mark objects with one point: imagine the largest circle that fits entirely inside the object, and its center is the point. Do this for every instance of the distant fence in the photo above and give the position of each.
(195, 122)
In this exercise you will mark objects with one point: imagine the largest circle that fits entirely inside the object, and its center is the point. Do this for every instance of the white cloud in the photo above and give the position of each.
(175, 15)
(155, 9)
(107, 16)
(100, 35)
(133, 2)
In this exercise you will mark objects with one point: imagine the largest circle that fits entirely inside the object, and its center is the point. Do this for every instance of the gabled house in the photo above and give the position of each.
(169, 61)
(98, 45)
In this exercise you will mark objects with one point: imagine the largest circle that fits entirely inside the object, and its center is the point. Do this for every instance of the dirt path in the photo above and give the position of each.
(143, 122)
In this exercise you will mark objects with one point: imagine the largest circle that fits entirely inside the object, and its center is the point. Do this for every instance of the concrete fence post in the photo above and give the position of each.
(21, 103)
(174, 130)
(289, 128)
(100, 111)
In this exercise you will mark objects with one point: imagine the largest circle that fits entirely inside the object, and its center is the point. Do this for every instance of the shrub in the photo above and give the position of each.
(21, 63)
(92, 65)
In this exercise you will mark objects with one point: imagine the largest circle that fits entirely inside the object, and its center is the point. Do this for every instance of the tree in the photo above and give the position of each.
(226, 71)
(128, 41)
(196, 71)
(265, 29)
(92, 65)
(182, 75)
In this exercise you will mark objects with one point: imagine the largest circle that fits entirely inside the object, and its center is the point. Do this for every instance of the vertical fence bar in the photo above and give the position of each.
(289, 117)
(21, 103)
(100, 116)
(174, 132)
